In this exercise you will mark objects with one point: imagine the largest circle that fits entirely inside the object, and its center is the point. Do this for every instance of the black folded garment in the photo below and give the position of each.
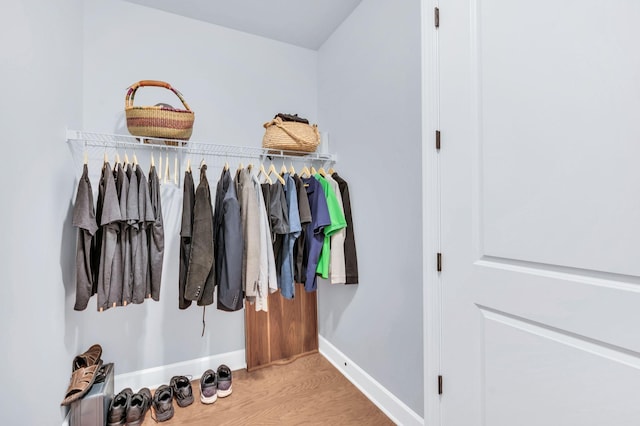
(292, 117)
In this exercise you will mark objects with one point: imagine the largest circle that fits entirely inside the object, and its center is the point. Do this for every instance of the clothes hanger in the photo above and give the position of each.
(167, 171)
(283, 169)
(313, 171)
(117, 159)
(331, 171)
(322, 172)
(126, 158)
(153, 163)
(305, 172)
(85, 154)
(175, 169)
(189, 165)
(272, 169)
(292, 171)
(262, 171)
(135, 159)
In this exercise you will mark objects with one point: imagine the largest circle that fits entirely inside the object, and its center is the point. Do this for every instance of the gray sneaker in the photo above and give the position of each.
(182, 391)
(224, 381)
(209, 387)
(163, 403)
(138, 406)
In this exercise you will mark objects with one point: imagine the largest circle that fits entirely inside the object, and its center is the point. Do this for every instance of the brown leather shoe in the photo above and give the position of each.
(84, 371)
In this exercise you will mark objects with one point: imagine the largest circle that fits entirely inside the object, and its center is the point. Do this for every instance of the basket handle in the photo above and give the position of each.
(131, 91)
(278, 122)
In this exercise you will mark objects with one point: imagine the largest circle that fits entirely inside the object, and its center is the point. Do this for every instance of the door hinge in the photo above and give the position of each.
(439, 262)
(439, 385)
(436, 16)
(438, 140)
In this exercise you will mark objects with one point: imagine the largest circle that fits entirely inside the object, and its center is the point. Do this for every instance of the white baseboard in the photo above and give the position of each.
(154, 377)
(395, 409)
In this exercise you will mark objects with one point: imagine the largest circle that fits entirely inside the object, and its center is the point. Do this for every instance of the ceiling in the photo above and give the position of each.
(303, 23)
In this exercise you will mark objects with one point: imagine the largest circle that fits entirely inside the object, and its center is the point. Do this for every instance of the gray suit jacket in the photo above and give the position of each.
(228, 245)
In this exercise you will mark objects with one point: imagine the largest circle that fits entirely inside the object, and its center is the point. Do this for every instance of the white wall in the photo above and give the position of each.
(41, 74)
(370, 102)
(234, 82)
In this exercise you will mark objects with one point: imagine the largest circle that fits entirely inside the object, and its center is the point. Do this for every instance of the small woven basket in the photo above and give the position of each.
(158, 121)
(290, 136)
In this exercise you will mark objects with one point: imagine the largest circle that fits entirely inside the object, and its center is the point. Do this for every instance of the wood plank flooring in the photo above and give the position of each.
(308, 391)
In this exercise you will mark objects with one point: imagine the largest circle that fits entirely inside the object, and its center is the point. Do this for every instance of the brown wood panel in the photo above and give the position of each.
(309, 391)
(288, 331)
(309, 318)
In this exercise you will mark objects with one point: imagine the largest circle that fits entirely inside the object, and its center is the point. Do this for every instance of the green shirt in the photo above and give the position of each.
(336, 214)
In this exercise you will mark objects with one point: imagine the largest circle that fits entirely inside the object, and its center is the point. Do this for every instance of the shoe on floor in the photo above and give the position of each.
(163, 403)
(209, 387)
(224, 381)
(118, 408)
(138, 406)
(182, 391)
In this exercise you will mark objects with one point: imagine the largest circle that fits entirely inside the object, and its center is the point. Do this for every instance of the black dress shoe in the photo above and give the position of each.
(118, 408)
(138, 406)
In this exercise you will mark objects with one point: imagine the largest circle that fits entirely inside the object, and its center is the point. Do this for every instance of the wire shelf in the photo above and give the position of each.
(93, 139)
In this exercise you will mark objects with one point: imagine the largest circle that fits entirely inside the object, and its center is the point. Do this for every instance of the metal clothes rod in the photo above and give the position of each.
(79, 137)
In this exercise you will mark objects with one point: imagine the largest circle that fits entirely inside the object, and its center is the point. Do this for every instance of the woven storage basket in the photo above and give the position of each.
(158, 121)
(290, 136)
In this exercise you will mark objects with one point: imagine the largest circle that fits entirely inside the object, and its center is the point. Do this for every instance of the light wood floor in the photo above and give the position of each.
(308, 391)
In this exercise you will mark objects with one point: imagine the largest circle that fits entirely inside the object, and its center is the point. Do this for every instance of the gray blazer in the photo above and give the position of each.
(228, 245)
(248, 198)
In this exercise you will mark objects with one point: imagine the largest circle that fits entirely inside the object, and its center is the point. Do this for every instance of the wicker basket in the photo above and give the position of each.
(158, 121)
(290, 136)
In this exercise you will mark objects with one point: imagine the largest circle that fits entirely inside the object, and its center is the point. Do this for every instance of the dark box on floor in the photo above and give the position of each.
(92, 409)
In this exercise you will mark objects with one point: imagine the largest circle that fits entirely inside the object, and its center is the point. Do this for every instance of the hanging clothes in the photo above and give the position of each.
(84, 218)
(337, 273)
(250, 232)
(304, 212)
(314, 232)
(186, 235)
(338, 222)
(131, 237)
(140, 258)
(228, 244)
(267, 277)
(109, 223)
(285, 262)
(155, 237)
(278, 222)
(350, 254)
(200, 275)
(117, 277)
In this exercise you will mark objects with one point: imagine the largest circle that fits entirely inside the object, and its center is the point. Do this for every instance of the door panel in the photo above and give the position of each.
(541, 376)
(557, 95)
(540, 193)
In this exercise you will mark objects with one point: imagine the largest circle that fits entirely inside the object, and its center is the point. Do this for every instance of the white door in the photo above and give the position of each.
(540, 163)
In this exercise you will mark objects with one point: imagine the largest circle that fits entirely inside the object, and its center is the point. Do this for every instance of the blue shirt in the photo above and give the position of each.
(287, 288)
(315, 229)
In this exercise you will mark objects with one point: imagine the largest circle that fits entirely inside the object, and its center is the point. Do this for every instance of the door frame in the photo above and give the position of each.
(431, 214)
